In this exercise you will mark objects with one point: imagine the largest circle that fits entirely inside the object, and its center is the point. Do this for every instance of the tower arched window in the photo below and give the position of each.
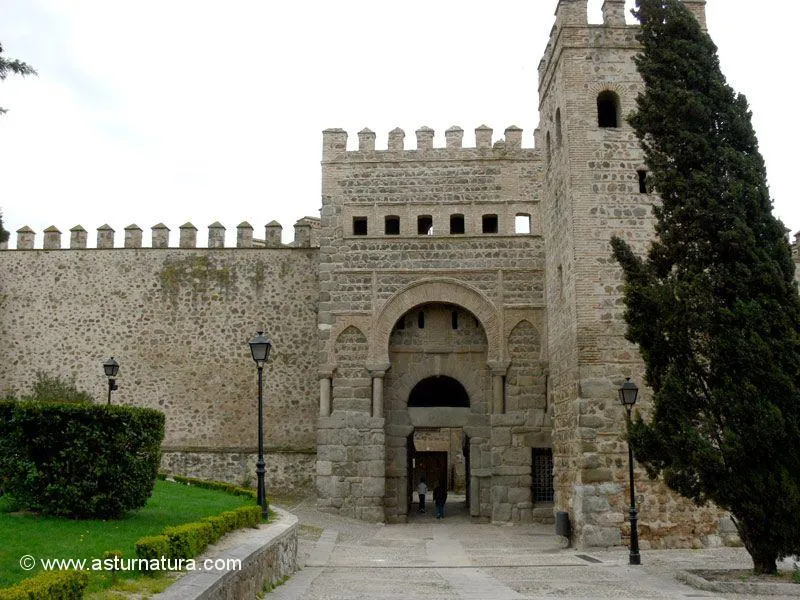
(608, 109)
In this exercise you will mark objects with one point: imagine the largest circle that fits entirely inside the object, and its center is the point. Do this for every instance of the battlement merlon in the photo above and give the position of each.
(306, 235)
(573, 15)
(334, 146)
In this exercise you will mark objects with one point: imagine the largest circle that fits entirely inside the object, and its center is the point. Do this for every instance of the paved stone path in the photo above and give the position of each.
(457, 559)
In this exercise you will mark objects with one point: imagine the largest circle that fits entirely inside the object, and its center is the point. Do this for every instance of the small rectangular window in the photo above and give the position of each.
(454, 319)
(642, 182)
(425, 225)
(456, 224)
(392, 225)
(421, 319)
(522, 223)
(542, 468)
(489, 223)
(401, 323)
(359, 225)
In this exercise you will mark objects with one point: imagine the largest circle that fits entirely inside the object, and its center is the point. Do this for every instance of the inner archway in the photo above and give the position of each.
(436, 393)
(438, 390)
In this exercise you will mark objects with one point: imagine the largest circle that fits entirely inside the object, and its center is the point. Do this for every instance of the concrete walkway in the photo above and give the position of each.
(457, 559)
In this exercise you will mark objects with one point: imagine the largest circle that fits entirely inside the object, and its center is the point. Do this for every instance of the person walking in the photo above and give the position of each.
(422, 489)
(439, 498)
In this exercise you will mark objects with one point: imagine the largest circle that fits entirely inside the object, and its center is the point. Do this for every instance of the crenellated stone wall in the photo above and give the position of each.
(306, 235)
(479, 274)
(178, 321)
(430, 232)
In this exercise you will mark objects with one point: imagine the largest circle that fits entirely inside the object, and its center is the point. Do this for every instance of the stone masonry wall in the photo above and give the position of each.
(375, 248)
(178, 321)
(593, 185)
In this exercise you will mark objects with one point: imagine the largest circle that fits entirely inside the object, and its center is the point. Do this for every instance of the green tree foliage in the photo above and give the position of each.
(53, 388)
(8, 66)
(713, 307)
(87, 461)
(3, 233)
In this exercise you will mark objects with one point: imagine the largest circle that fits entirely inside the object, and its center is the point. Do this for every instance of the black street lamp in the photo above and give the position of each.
(260, 347)
(627, 397)
(111, 367)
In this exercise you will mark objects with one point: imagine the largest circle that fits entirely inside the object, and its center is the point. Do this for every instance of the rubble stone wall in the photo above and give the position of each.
(178, 321)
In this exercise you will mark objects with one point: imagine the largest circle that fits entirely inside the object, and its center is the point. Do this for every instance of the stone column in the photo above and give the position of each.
(325, 396)
(498, 392)
(377, 394)
(474, 496)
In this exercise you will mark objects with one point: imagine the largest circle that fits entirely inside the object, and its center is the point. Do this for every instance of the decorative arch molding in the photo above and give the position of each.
(598, 87)
(360, 323)
(439, 290)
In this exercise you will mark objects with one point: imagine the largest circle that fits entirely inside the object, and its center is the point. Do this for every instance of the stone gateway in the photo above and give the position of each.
(453, 316)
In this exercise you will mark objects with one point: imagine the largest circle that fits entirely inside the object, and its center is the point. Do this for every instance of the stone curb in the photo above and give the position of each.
(734, 587)
(267, 554)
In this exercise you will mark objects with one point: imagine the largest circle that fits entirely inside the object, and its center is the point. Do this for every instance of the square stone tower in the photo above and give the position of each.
(595, 187)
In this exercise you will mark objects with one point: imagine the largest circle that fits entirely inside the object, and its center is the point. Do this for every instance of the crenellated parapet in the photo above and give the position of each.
(306, 235)
(334, 146)
(573, 30)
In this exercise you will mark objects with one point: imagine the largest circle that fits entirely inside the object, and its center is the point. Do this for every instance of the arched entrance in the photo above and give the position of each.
(438, 390)
(437, 387)
(439, 407)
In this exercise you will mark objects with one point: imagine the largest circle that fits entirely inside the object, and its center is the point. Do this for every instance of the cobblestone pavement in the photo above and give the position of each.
(457, 559)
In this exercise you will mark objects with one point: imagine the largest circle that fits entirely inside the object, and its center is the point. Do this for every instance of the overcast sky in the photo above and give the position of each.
(149, 111)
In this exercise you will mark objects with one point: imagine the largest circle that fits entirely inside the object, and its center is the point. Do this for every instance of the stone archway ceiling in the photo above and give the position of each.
(439, 390)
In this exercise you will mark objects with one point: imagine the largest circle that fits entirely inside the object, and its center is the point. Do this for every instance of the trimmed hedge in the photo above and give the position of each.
(79, 460)
(48, 585)
(152, 547)
(190, 539)
(216, 485)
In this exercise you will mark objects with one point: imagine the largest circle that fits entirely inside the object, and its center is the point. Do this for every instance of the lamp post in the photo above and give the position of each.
(111, 367)
(627, 397)
(260, 346)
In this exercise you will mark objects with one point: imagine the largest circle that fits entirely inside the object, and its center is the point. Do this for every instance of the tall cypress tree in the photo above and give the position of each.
(713, 307)
(3, 233)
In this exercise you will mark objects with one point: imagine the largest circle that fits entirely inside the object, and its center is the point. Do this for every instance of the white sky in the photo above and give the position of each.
(149, 111)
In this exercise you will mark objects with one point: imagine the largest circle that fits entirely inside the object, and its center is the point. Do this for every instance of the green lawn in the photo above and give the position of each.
(55, 537)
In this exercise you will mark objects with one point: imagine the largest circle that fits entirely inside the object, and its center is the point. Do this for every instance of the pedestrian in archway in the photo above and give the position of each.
(439, 498)
(422, 489)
